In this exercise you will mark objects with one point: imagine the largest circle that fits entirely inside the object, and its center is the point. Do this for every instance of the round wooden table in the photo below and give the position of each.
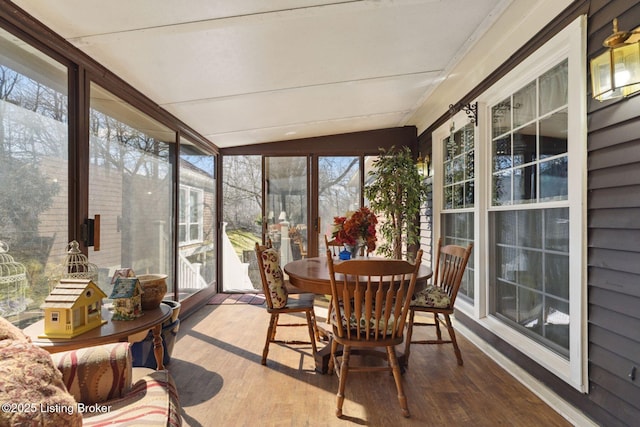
(312, 275)
(110, 332)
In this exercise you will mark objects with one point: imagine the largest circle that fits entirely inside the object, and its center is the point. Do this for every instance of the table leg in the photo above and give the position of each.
(158, 350)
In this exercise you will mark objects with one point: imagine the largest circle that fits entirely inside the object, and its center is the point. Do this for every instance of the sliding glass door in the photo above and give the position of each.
(131, 177)
(339, 191)
(287, 205)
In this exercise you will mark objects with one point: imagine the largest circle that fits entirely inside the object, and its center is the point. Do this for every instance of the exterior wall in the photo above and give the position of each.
(613, 243)
(614, 235)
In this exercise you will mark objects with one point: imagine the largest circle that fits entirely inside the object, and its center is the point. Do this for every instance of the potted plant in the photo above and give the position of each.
(396, 193)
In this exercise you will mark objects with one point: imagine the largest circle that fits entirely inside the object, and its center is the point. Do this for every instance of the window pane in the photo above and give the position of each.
(530, 275)
(34, 177)
(528, 228)
(553, 134)
(130, 187)
(469, 165)
(554, 88)
(557, 274)
(524, 184)
(501, 118)
(502, 188)
(182, 206)
(556, 229)
(287, 196)
(242, 221)
(194, 207)
(469, 194)
(338, 191)
(502, 154)
(458, 229)
(556, 327)
(553, 179)
(524, 105)
(524, 145)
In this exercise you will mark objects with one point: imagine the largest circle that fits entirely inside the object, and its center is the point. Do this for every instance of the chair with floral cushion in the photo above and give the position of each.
(371, 303)
(278, 301)
(439, 297)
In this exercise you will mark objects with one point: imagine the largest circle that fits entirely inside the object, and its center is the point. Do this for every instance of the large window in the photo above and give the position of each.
(530, 277)
(130, 187)
(33, 176)
(459, 196)
(520, 197)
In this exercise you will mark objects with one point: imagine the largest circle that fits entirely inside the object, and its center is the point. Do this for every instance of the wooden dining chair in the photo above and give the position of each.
(439, 297)
(372, 300)
(333, 246)
(278, 302)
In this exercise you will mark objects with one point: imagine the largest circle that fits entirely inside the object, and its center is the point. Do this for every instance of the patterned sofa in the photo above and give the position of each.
(92, 386)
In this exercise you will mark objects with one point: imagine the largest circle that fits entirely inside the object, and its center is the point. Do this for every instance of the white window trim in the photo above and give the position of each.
(570, 43)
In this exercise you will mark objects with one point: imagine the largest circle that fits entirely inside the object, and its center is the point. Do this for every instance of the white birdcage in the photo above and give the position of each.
(13, 284)
(76, 265)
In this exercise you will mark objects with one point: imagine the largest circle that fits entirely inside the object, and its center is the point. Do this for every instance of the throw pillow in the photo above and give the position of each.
(8, 331)
(275, 278)
(31, 388)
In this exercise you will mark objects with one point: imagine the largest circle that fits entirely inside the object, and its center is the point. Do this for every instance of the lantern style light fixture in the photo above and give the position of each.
(616, 72)
(423, 164)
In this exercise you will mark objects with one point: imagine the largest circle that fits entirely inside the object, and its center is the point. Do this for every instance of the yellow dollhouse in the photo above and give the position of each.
(73, 307)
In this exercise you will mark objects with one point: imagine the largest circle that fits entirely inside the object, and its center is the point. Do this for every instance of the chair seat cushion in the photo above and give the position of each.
(274, 278)
(353, 322)
(431, 296)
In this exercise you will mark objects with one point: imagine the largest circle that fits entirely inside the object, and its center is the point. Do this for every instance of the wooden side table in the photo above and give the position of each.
(110, 332)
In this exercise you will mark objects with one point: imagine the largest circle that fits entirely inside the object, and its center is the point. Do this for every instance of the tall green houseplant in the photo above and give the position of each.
(396, 194)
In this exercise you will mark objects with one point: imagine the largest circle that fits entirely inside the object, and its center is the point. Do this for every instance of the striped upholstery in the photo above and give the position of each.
(103, 375)
(96, 374)
(152, 400)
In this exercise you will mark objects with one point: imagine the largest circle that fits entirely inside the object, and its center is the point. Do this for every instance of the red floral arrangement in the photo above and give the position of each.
(357, 228)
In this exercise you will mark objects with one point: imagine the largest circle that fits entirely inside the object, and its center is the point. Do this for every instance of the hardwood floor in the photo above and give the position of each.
(216, 366)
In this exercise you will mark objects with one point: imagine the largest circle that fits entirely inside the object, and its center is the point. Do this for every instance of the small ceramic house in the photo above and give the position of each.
(127, 298)
(73, 307)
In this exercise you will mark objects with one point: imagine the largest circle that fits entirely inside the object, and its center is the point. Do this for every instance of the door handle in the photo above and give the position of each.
(90, 231)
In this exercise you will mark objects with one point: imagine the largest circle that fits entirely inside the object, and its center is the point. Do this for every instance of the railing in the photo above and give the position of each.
(189, 276)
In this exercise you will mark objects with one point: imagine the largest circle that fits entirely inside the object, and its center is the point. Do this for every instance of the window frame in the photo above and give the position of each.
(187, 223)
(569, 44)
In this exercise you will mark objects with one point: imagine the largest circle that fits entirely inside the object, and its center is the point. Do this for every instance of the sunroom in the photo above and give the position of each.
(171, 139)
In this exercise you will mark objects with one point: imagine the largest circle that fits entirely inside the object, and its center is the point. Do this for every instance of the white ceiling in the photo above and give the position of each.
(251, 71)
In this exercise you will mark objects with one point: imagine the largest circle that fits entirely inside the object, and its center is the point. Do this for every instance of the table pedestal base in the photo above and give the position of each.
(323, 356)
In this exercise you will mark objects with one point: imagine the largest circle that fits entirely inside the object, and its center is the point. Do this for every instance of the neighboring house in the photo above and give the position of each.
(73, 307)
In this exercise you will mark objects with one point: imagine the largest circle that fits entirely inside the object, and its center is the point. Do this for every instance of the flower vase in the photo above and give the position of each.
(352, 249)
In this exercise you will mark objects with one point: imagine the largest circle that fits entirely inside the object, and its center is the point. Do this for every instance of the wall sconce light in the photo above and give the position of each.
(423, 165)
(616, 72)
